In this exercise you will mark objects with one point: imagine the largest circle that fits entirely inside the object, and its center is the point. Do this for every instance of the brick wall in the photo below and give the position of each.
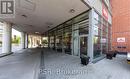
(121, 23)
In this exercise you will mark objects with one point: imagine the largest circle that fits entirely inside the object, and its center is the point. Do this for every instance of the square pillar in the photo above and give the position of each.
(91, 35)
(22, 40)
(26, 41)
(7, 33)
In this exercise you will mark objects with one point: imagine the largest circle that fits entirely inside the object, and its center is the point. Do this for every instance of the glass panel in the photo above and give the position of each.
(51, 42)
(104, 37)
(83, 27)
(97, 47)
(81, 17)
(97, 31)
(109, 37)
(67, 40)
(58, 41)
(83, 31)
(101, 36)
(104, 48)
(97, 36)
(83, 45)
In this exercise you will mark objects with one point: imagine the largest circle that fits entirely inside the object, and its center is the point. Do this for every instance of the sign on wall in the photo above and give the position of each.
(121, 39)
(7, 8)
(103, 40)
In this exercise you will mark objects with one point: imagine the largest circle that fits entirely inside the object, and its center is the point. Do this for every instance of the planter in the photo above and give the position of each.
(109, 56)
(84, 59)
(114, 55)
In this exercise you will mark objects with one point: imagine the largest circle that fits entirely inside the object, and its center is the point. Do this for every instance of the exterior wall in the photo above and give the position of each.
(121, 24)
(98, 6)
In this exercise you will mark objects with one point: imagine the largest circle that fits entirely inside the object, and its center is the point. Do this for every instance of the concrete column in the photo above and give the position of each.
(91, 35)
(22, 40)
(7, 32)
(31, 41)
(26, 41)
(48, 41)
(41, 39)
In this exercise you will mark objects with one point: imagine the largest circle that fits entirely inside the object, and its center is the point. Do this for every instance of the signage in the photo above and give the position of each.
(7, 8)
(103, 40)
(121, 39)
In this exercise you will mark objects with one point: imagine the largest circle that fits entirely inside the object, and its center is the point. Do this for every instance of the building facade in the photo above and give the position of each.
(121, 26)
(88, 33)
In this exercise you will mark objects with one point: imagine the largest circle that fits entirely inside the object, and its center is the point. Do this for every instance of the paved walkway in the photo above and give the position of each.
(20, 65)
(25, 64)
(62, 66)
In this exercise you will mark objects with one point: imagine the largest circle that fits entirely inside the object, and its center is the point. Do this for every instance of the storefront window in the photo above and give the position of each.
(51, 39)
(59, 44)
(97, 47)
(109, 37)
(67, 39)
(97, 36)
(51, 42)
(83, 45)
(101, 36)
(104, 36)
(76, 27)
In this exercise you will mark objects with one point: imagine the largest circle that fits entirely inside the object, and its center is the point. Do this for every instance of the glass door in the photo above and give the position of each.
(83, 45)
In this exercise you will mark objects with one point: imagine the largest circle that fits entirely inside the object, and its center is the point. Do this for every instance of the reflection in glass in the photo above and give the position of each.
(67, 40)
(97, 47)
(83, 45)
(51, 42)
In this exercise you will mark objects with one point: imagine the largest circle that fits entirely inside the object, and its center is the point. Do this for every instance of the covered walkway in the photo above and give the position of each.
(78, 27)
(31, 64)
(20, 65)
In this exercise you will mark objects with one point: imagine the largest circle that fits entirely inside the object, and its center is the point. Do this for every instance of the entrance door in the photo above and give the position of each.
(83, 45)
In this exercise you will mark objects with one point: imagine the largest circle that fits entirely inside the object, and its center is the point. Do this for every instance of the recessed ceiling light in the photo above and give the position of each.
(72, 11)
(48, 26)
(25, 16)
(37, 32)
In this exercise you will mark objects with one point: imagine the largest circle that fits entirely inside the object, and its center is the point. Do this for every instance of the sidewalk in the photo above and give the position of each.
(25, 64)
(63, 66)
(20, 65)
